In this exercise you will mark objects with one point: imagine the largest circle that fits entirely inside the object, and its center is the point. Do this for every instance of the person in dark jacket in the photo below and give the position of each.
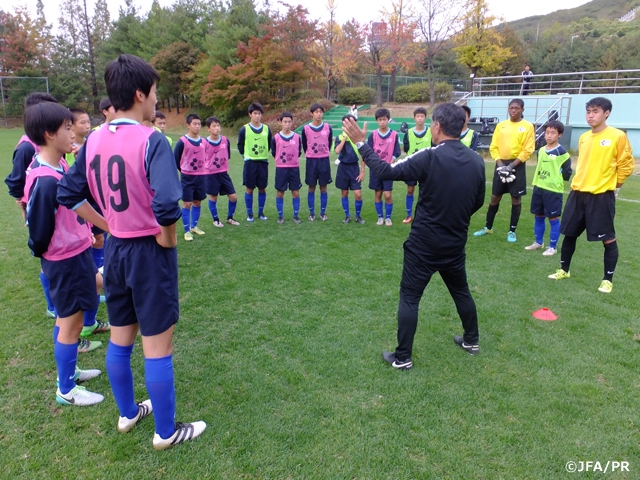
(452, 188)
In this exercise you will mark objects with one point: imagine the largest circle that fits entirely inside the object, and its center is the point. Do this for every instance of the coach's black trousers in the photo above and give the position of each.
(417, 271)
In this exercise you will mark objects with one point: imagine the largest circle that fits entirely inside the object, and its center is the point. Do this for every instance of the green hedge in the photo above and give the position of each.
(419, 92)
(357, 95)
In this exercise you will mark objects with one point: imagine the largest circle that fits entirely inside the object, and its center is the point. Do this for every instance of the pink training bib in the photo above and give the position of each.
(384, 146)
(193, 158)
(317, 142)
(118, 180)
(217, 156)
(72, 235)
(287, 151)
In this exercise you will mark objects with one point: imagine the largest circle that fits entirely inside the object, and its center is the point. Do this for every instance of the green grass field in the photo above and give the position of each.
(278, 350)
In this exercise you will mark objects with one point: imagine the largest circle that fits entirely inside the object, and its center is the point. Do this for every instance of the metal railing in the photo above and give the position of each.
(608, 81)
(536, 108)
(551, 113)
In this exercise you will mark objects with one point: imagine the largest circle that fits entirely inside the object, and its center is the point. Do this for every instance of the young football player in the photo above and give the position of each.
(286, 148)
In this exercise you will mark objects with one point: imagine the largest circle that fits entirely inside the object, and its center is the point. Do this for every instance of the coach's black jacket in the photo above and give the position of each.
(452, 187)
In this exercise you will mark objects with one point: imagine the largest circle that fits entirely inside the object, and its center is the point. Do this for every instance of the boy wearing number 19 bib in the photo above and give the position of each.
(129, 170)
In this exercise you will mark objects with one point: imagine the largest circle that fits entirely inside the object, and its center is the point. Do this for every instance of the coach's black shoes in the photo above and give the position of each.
(390, 358)
(471, 349)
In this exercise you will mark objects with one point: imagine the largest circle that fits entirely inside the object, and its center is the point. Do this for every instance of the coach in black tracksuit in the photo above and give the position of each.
(452, 188)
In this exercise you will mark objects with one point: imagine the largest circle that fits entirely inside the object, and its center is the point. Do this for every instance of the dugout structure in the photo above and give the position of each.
(14, 91)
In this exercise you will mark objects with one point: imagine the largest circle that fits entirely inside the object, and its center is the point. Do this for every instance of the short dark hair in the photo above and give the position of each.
(77, 112)
(383, 112)
(105, 104)
(559, 126)
(255, 107)
(450, 117)
(125, 76)
(211, 120)
(286, 115)
(191, 117)
(519, 101)
(348, 115)
(45, 117)
(527, 65)
(315, 107)
(466, 109)
(37, 97)
(603, 103)
(421, 110)
(159, 114)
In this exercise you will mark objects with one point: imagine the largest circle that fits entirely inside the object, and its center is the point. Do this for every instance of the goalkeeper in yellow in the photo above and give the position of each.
(605, 160)
(512, 144)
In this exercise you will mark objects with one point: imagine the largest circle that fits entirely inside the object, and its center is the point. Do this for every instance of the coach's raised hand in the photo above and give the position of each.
(355, 133)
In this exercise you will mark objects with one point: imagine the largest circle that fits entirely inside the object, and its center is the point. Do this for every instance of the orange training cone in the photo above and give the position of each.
(545, 314)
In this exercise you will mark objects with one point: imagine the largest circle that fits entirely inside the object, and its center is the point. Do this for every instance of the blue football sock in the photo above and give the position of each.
(159, 379)
(56, 331)
(311, 200)
(45, 288)
(324, 197)
(345, 206)
(280, 206)
(195, 216)
(555, 232)
(89, 317)
(409, 204)
(538, 229)
(248, 200)
(262, 200)
(388, 207)
(66, 356)
(379, 209)
(213, 208)
(121, 378)
(98, 256)
(296, 206)
(186, 219)
(232, 209)
(358, 207)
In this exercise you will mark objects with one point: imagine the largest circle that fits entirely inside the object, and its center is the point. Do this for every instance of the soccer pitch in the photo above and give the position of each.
(278, 350)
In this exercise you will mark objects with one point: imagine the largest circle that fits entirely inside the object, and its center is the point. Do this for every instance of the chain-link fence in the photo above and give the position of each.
(14, 91)
(370, 81)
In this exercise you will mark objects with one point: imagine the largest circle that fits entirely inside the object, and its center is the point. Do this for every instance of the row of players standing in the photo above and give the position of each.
(203, 163)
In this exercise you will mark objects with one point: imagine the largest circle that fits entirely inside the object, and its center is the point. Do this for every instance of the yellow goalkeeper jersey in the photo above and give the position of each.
(513, 140)
(604, 159)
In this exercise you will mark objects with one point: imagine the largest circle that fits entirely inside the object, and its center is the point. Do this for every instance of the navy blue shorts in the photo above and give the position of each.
(376, 184)
(288, 178)
(72, 283)
(411, 183)
(347, 175)
(255, 174)
(219, 184)
(194, 187)
(591, 212)
(546, 203)
(318, 172)
(141, 284)
(517, 188)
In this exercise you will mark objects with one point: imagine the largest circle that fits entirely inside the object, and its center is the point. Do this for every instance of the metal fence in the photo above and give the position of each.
(609, 81)
(14, 91)
(371, 81)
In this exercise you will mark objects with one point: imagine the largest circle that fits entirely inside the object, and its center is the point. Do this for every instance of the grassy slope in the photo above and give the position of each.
(278, 349)
(597, 9)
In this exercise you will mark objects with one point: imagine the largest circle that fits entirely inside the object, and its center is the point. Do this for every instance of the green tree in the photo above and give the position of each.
(478, 44)
(174, 64)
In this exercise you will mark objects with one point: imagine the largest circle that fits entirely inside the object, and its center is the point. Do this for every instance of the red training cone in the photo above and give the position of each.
(545, 314)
